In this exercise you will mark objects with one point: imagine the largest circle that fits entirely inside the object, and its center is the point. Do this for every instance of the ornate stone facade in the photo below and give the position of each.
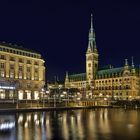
(22, 73)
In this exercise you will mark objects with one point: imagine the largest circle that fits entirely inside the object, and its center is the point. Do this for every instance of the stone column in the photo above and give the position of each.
(24, 68)
(7, 66)
(32, 70)
(16, 68)
(40, 71)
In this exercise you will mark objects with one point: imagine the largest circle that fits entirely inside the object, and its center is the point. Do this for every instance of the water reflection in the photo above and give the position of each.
(103, 124)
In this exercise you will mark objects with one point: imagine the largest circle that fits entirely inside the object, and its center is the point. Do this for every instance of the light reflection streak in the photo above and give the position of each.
(48, 127)
(65, 129)
(80, 127)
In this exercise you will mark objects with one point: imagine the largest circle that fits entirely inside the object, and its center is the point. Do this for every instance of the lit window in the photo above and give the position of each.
(2, 74)
(36, 95)
(20, 75)
(20, 95)
(28, 95)
(11, 74)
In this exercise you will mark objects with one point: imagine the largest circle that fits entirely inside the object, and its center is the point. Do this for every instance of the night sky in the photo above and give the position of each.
(59, 31)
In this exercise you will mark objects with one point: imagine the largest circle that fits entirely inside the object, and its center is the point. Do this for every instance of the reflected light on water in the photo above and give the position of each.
(73, 125)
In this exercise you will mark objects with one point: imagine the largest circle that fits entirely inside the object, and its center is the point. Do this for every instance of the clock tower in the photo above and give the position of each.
(91, 56)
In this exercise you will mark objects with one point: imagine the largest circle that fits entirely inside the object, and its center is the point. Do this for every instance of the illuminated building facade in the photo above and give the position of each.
(22, 73)
(119, 83)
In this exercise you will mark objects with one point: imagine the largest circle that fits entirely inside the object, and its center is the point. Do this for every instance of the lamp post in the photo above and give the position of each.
(17, 100)
(47, 92)
(65, 93)
(59, 88)
(54, 101)
(43, 95)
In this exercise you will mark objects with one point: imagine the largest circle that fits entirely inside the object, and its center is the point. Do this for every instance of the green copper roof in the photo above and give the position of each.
(110, 71)
(76, 77)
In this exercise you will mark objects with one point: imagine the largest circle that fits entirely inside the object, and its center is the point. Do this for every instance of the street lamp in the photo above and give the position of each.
(59, 88)
(43, 95)
(54, 99)
(65, 93)
(47, 92)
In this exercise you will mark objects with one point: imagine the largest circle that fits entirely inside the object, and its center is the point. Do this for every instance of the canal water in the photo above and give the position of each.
(86, 124)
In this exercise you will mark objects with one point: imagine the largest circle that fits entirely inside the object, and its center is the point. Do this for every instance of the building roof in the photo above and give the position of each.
(9, 45)
(110, 71)
(78, 77)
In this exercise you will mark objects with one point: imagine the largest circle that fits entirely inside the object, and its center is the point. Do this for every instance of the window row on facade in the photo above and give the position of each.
(20, 75)
(11, 94)
(20, 60)
(20, 67)
(113, 75)
(127, 80)
(114, 94)
(114, 87)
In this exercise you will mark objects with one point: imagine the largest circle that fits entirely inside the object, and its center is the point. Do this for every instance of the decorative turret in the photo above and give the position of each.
(126, 66)
(66, 80)
(133, 67)
(126, 71)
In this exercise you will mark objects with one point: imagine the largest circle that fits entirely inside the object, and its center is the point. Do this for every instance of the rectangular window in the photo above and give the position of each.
(12, 74)
(28, 76)
(12, 59)
(28, 69)
(20, 75)
(28, 62)
(2, 56)
(2, 65)
(20, 60)
(2, 74)
(89, 65)
(36, 63)
(12, 66)
(20, 68)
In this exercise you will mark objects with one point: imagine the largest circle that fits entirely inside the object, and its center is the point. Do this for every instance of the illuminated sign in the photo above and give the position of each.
(7, 87)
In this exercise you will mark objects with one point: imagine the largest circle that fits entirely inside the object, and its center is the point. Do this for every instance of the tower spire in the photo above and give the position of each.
(67, 77)
(91, 41)
(67, 80)
(132, 62)
(133, 67)
(91, 26)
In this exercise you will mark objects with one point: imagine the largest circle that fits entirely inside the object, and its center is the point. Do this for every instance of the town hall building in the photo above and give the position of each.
(122, 83)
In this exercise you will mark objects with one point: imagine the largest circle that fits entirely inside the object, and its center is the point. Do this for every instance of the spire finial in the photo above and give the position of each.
(126, 62)
(67, 74)
(91, 22)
